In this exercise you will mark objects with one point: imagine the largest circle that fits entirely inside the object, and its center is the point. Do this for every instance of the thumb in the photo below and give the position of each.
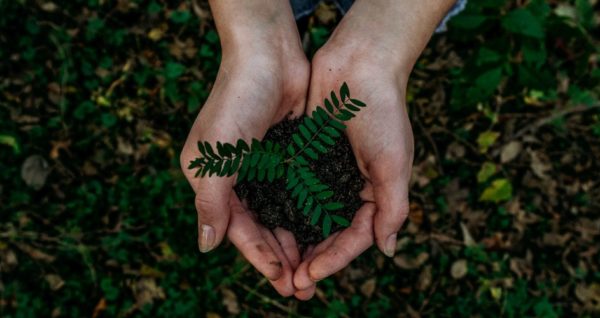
(391, 199)
(211, 202)
(212, 197)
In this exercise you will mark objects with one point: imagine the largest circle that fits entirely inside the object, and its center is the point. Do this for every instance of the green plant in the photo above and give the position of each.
(266, 160)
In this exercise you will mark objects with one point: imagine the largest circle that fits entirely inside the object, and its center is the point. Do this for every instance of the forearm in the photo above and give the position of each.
(255, 25)
(400, 29)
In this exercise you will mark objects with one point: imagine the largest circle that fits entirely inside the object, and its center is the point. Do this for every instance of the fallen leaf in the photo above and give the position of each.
(510, 151)
(487, 170)
(35, 253)
(589, 295)
(459, 269)
(496, 292)
(57, 146)
(230, 301)
(406, 261)
(11, 142)
(533, 98)
(368, 287)
(55, 281)
(486, 139)
(416, 214)
(8, 260)
(34, 171)
(150, 271)
(325, 13)
(425, 278)
(146, 291)
(555, 239)
(100, 307)
(49, 6)
(467, 238)
(540, 167)
(499, 190)
(157, 33)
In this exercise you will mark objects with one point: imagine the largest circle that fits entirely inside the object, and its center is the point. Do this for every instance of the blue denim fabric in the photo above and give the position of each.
(303, 8)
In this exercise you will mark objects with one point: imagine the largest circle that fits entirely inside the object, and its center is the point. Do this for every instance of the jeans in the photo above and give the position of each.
(303, 8)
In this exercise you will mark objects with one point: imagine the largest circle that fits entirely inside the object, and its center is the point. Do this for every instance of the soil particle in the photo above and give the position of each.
(274, 206)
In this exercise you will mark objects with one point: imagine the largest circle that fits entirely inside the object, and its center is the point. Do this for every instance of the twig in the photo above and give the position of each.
(432, 142)
(267, 299)
(546, 120)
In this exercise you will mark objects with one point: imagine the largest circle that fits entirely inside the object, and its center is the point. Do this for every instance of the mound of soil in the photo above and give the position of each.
(274, 206)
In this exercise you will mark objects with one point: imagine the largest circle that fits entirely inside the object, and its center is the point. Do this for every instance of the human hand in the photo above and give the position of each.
(382, 142)
(260, 82)
(373, 49)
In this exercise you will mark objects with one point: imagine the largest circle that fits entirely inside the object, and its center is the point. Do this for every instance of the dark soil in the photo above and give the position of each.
(273, 204)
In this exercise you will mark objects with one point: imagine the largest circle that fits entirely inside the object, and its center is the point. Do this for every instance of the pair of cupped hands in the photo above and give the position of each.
(267, 80)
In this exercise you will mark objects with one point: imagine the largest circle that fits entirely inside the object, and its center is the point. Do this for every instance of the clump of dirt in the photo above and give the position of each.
(274, 205)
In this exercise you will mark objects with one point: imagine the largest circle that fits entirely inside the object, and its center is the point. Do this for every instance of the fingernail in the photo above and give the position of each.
(390, 245)
(207, 238)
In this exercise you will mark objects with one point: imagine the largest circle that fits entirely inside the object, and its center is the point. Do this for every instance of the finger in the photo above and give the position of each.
(244, 233)
(211, 201)
(302, 280)
(306, 294)
(346, 247)
(212, 197)
(392, 209)
(299, 102)
(288, 245)
(283, 285)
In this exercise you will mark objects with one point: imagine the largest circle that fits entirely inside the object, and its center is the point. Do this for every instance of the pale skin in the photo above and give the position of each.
(265, 77)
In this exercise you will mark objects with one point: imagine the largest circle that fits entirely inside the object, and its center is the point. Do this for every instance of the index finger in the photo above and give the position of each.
(245, 234)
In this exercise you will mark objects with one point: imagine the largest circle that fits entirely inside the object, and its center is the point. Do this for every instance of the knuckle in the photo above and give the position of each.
(206, 208)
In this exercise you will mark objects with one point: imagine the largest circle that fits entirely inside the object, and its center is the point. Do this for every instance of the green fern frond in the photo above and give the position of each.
(256, 161)
(312, 197)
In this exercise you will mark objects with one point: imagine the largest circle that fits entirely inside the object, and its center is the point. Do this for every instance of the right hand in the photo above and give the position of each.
(254, 90)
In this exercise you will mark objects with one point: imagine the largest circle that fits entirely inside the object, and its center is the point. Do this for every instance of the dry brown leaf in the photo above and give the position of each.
(402, 243)
(539, 166)
(35, 171)
(230, 301)
(459, 269)
(425, 278)
(467, 238)
(35, 253)
(589, 295)
(455, 151)
(100, 307)
(555, 239)
(325, 13)
(57, 146)
(146, 291)
(8, 260)
(55, 281)
(416, 214)
(510, 151)
(406, 261)
(49, 6)
(368, 287)
(124, 147)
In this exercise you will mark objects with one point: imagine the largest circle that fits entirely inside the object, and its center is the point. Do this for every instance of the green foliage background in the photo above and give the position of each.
(505, 217)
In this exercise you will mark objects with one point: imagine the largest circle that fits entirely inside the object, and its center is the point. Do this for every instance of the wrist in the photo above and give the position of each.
(254, 26)
(391, 31)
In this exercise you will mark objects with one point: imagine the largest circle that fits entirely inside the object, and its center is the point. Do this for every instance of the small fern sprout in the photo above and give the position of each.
(268, 161)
